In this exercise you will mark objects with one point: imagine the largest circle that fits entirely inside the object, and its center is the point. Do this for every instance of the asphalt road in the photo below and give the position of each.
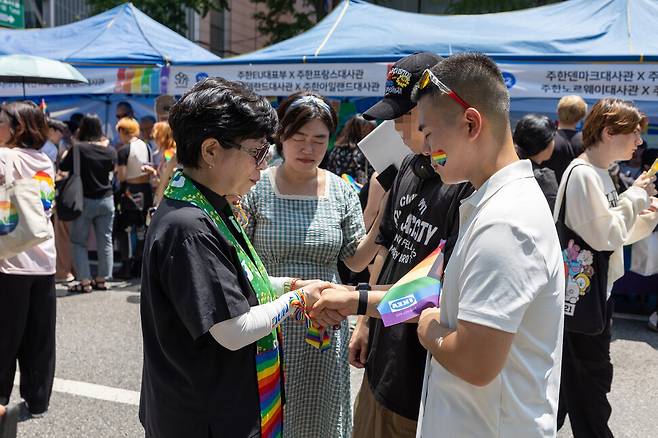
(99, 359)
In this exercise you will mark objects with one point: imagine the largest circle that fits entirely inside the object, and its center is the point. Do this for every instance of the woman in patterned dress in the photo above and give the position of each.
(302, 220)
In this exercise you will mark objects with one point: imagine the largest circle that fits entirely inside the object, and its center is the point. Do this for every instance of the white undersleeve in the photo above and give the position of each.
(249, 327)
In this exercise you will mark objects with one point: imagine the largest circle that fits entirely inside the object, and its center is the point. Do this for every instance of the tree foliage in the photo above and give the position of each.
(489, 6)
(171, 13)
(283, 19)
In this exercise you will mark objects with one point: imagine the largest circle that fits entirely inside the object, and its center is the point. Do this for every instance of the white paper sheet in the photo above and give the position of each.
(384, 146)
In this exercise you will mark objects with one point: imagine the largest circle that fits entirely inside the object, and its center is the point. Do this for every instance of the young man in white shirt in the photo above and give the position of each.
(496, 341)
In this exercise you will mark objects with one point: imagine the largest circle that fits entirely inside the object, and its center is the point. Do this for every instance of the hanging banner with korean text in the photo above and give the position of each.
(336, 80)
(591, 81)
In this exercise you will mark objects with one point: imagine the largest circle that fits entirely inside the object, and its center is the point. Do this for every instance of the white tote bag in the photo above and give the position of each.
(644, 255)
(23, 221)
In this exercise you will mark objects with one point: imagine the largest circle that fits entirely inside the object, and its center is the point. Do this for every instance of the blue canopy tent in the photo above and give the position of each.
(578, 34)
(125, 55)
(576, 30)
(123, 35)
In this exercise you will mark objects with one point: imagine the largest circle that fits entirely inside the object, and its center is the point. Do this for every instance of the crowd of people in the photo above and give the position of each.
(250, 266)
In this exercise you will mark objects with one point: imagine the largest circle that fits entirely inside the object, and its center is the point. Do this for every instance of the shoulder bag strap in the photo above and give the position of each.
(10, 165)
(76, 159)
(563, 211)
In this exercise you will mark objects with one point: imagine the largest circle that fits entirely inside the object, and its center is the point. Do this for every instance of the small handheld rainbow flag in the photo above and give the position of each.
(169, 154)
(417, 290)
(439, 157)
(351, 181)
(654, 168)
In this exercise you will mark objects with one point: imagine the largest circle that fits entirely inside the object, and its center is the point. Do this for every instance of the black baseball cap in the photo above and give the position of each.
(400, 81)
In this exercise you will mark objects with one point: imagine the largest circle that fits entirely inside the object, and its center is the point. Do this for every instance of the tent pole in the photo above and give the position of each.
(23, 88)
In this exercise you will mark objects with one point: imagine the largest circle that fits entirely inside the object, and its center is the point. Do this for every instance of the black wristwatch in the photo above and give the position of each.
(363, 289)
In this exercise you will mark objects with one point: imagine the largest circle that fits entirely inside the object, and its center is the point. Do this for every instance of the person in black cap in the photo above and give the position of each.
(534, 139)
(420, 211)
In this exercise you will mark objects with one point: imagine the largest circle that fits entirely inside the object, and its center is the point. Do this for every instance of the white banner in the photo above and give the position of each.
(524, 80)
(337, 80)
(105, 80)
(591, 81)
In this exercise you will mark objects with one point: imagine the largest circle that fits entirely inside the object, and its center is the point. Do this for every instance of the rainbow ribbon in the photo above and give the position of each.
(439, 157)
(316, 336)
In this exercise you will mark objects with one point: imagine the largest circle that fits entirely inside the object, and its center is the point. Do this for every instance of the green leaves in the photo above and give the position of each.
(171, 13)
(283, 19)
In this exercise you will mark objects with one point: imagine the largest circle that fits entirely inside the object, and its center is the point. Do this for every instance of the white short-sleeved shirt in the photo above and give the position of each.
(506, 272)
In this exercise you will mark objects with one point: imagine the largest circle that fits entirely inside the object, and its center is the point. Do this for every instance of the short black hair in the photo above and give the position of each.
(57, 125)
(74, 122)
(293, 118)
(147, 118)
(220, 109)
(477, 79)
(532, 134)
(127, 107)
(90, 129)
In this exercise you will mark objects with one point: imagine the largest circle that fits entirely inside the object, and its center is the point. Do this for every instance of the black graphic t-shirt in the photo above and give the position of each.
(420, 212)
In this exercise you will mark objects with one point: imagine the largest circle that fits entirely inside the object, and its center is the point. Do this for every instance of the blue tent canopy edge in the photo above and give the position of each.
(570, 31)
(123, 35)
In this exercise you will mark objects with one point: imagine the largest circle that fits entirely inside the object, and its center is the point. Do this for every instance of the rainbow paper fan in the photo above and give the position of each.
(417, 290)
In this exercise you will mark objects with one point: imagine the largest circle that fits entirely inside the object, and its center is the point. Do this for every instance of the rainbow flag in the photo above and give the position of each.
(654, 168)
(169, 154)
(417, 290)
(139, 80)
(352, 182)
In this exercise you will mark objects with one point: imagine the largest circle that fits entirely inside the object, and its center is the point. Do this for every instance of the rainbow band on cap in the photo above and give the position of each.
(439, 157)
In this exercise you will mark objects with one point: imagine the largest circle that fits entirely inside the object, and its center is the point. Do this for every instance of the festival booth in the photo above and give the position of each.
(125, 55)
(593, 48)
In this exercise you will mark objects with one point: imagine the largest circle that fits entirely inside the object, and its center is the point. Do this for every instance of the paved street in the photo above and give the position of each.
(99, 366)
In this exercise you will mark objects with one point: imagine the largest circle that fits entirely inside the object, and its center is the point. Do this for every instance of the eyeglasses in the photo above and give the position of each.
(259, 154)
(429, 78)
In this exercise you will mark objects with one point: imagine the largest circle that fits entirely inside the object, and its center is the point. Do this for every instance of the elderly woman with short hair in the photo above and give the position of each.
(210, 312)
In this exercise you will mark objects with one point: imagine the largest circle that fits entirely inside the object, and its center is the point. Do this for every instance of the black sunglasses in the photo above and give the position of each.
(259, 154)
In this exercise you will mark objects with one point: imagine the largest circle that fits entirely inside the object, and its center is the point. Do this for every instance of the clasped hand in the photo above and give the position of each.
(328, 304)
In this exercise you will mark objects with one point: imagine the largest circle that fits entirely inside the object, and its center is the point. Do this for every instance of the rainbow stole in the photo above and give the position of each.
(268, 362)
(268, 371)
(417, 290)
